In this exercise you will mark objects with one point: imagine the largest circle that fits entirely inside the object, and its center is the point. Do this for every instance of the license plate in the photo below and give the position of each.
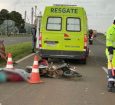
(51, 43)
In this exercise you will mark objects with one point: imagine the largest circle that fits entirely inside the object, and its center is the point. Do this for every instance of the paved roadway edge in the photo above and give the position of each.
(22, 59)
(105, 69)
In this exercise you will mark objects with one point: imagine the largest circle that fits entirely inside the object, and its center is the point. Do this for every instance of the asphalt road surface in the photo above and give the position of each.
(90, 90)
(15, 40)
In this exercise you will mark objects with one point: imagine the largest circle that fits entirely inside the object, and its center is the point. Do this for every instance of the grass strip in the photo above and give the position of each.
(18, 51)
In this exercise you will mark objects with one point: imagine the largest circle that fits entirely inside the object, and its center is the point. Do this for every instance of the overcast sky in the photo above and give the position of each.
(100, 12)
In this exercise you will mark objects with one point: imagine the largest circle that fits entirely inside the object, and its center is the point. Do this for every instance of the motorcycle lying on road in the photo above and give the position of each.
(56, 71)
(63, 70)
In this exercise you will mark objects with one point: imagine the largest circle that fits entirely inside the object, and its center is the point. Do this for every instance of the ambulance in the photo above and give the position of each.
(63, 33)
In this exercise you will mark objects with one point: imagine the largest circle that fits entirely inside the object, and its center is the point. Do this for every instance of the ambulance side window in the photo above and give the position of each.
(73, 24)
(54, 23)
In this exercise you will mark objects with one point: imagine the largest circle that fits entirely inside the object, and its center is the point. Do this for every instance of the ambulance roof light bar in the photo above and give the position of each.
(63, 5)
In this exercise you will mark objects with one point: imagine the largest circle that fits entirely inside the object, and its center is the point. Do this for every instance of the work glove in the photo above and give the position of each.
(110, 57)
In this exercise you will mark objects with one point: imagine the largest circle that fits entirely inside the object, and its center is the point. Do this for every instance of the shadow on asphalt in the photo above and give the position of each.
(69, 61)
(113, 90)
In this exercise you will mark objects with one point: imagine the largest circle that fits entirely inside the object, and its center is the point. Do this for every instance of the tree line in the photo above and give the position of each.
(13, 15)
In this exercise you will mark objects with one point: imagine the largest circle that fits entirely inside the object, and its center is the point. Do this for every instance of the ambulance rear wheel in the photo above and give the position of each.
(45, 58)
(87, 52)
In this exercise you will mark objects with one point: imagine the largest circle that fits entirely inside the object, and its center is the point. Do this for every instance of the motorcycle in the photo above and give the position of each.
(54, 71)
(91, 40)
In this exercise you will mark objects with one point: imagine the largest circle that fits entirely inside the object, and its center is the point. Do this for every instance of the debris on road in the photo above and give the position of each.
(40, 68)
(9, 73)
(15, 75)
(3, 77)
(53, 71)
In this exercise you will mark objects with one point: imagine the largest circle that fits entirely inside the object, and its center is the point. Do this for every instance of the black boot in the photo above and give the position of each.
(110, 81)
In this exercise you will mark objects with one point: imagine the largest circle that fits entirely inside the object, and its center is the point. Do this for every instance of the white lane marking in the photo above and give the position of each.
(105, 69)
(20, 60)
